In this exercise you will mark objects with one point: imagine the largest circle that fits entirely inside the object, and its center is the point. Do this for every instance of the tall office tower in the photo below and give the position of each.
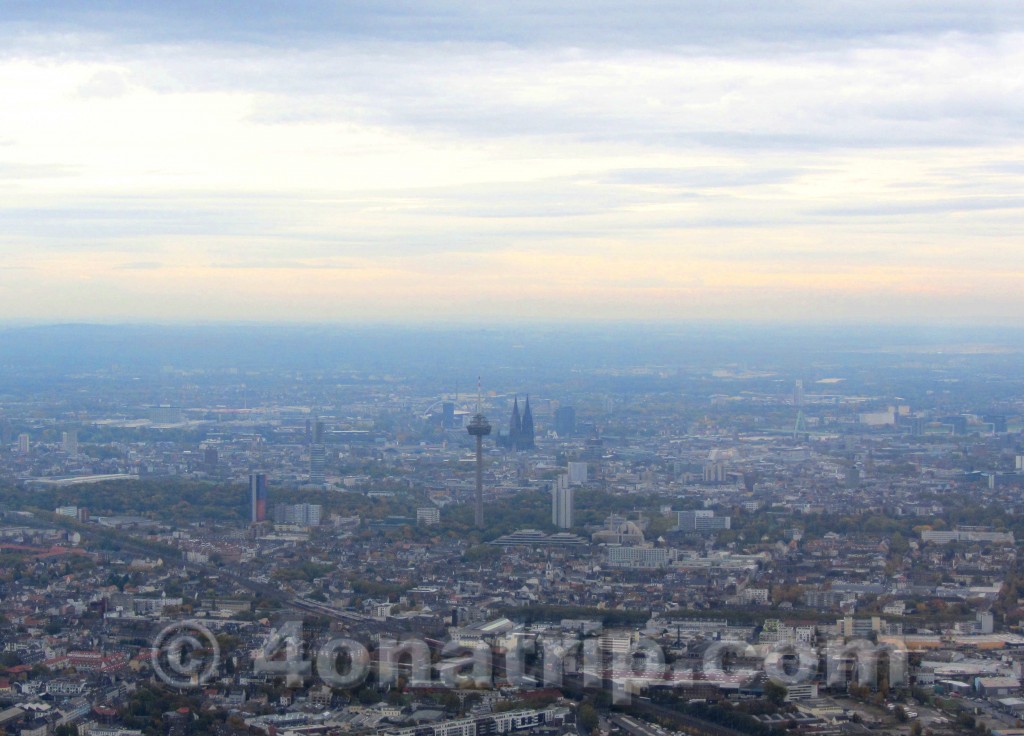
(593, 453)
(23, 445)
(210, 459)
(958, 424)
(798, 393)
(561, 502)
(479, 427)
(565, 421)
(69, 442)
(258, 496)
(317, 465)
(577, 473)
(448, 415)
(998, 422)
(318, 456)
(714, 472)
(526, 438)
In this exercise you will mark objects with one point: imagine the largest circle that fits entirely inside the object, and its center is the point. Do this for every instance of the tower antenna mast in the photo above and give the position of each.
(479, 427)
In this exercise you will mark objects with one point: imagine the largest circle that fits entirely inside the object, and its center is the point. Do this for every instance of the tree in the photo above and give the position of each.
(368, 696)
(775, 692)
(587, 716)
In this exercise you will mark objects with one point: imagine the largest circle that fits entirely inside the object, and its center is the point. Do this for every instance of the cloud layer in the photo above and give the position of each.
(548, 161)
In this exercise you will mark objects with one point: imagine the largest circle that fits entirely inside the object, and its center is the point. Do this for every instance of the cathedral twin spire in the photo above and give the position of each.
(520, 428)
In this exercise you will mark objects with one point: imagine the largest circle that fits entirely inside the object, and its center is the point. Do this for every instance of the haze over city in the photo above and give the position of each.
(391, 368)
(348, 162)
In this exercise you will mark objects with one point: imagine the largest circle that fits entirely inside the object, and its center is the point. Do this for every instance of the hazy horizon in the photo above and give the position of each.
(470, 350)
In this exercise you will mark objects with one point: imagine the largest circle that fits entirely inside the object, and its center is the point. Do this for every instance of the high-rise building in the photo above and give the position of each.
(258, 497)
(317, 464)
(593, 453)
(577, 473)
(23, 443)
(562, 502)
(701, 520)
(448, 415)
(958, 424)
(210, 460)
(318, 456)
(312, 513)
(565, 421)
(998, 422)
(428, 516)
(300, 514)
(714, 472)
(644, 558)
(69, 442)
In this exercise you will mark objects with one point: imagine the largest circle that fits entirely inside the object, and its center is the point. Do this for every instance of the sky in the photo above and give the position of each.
(841, 162)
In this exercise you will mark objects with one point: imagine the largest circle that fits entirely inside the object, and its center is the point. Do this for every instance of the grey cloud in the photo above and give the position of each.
(526, 23)
(702, 177)
(288, 264)
(932, 206)
(111, 219)
(824, 92)
(16, 171)
(812, 100)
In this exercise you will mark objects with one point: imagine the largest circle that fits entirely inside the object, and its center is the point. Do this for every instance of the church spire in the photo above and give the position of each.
(526, 434)
(515, 426)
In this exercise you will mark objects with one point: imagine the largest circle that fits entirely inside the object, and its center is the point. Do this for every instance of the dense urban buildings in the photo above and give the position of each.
(700, 509)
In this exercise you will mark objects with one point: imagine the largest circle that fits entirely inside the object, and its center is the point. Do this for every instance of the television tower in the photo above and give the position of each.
(801, 420)
(479, 428)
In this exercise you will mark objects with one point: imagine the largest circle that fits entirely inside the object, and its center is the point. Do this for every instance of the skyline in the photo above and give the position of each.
(380, 162)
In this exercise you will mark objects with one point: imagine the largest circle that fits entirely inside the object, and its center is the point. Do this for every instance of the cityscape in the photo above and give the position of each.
(450, 368)
(811, 539)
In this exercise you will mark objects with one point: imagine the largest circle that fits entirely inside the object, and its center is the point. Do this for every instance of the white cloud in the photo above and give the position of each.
(748, 168)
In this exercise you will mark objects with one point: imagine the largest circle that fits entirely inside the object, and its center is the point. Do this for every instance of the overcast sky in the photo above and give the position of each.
(333, 161)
